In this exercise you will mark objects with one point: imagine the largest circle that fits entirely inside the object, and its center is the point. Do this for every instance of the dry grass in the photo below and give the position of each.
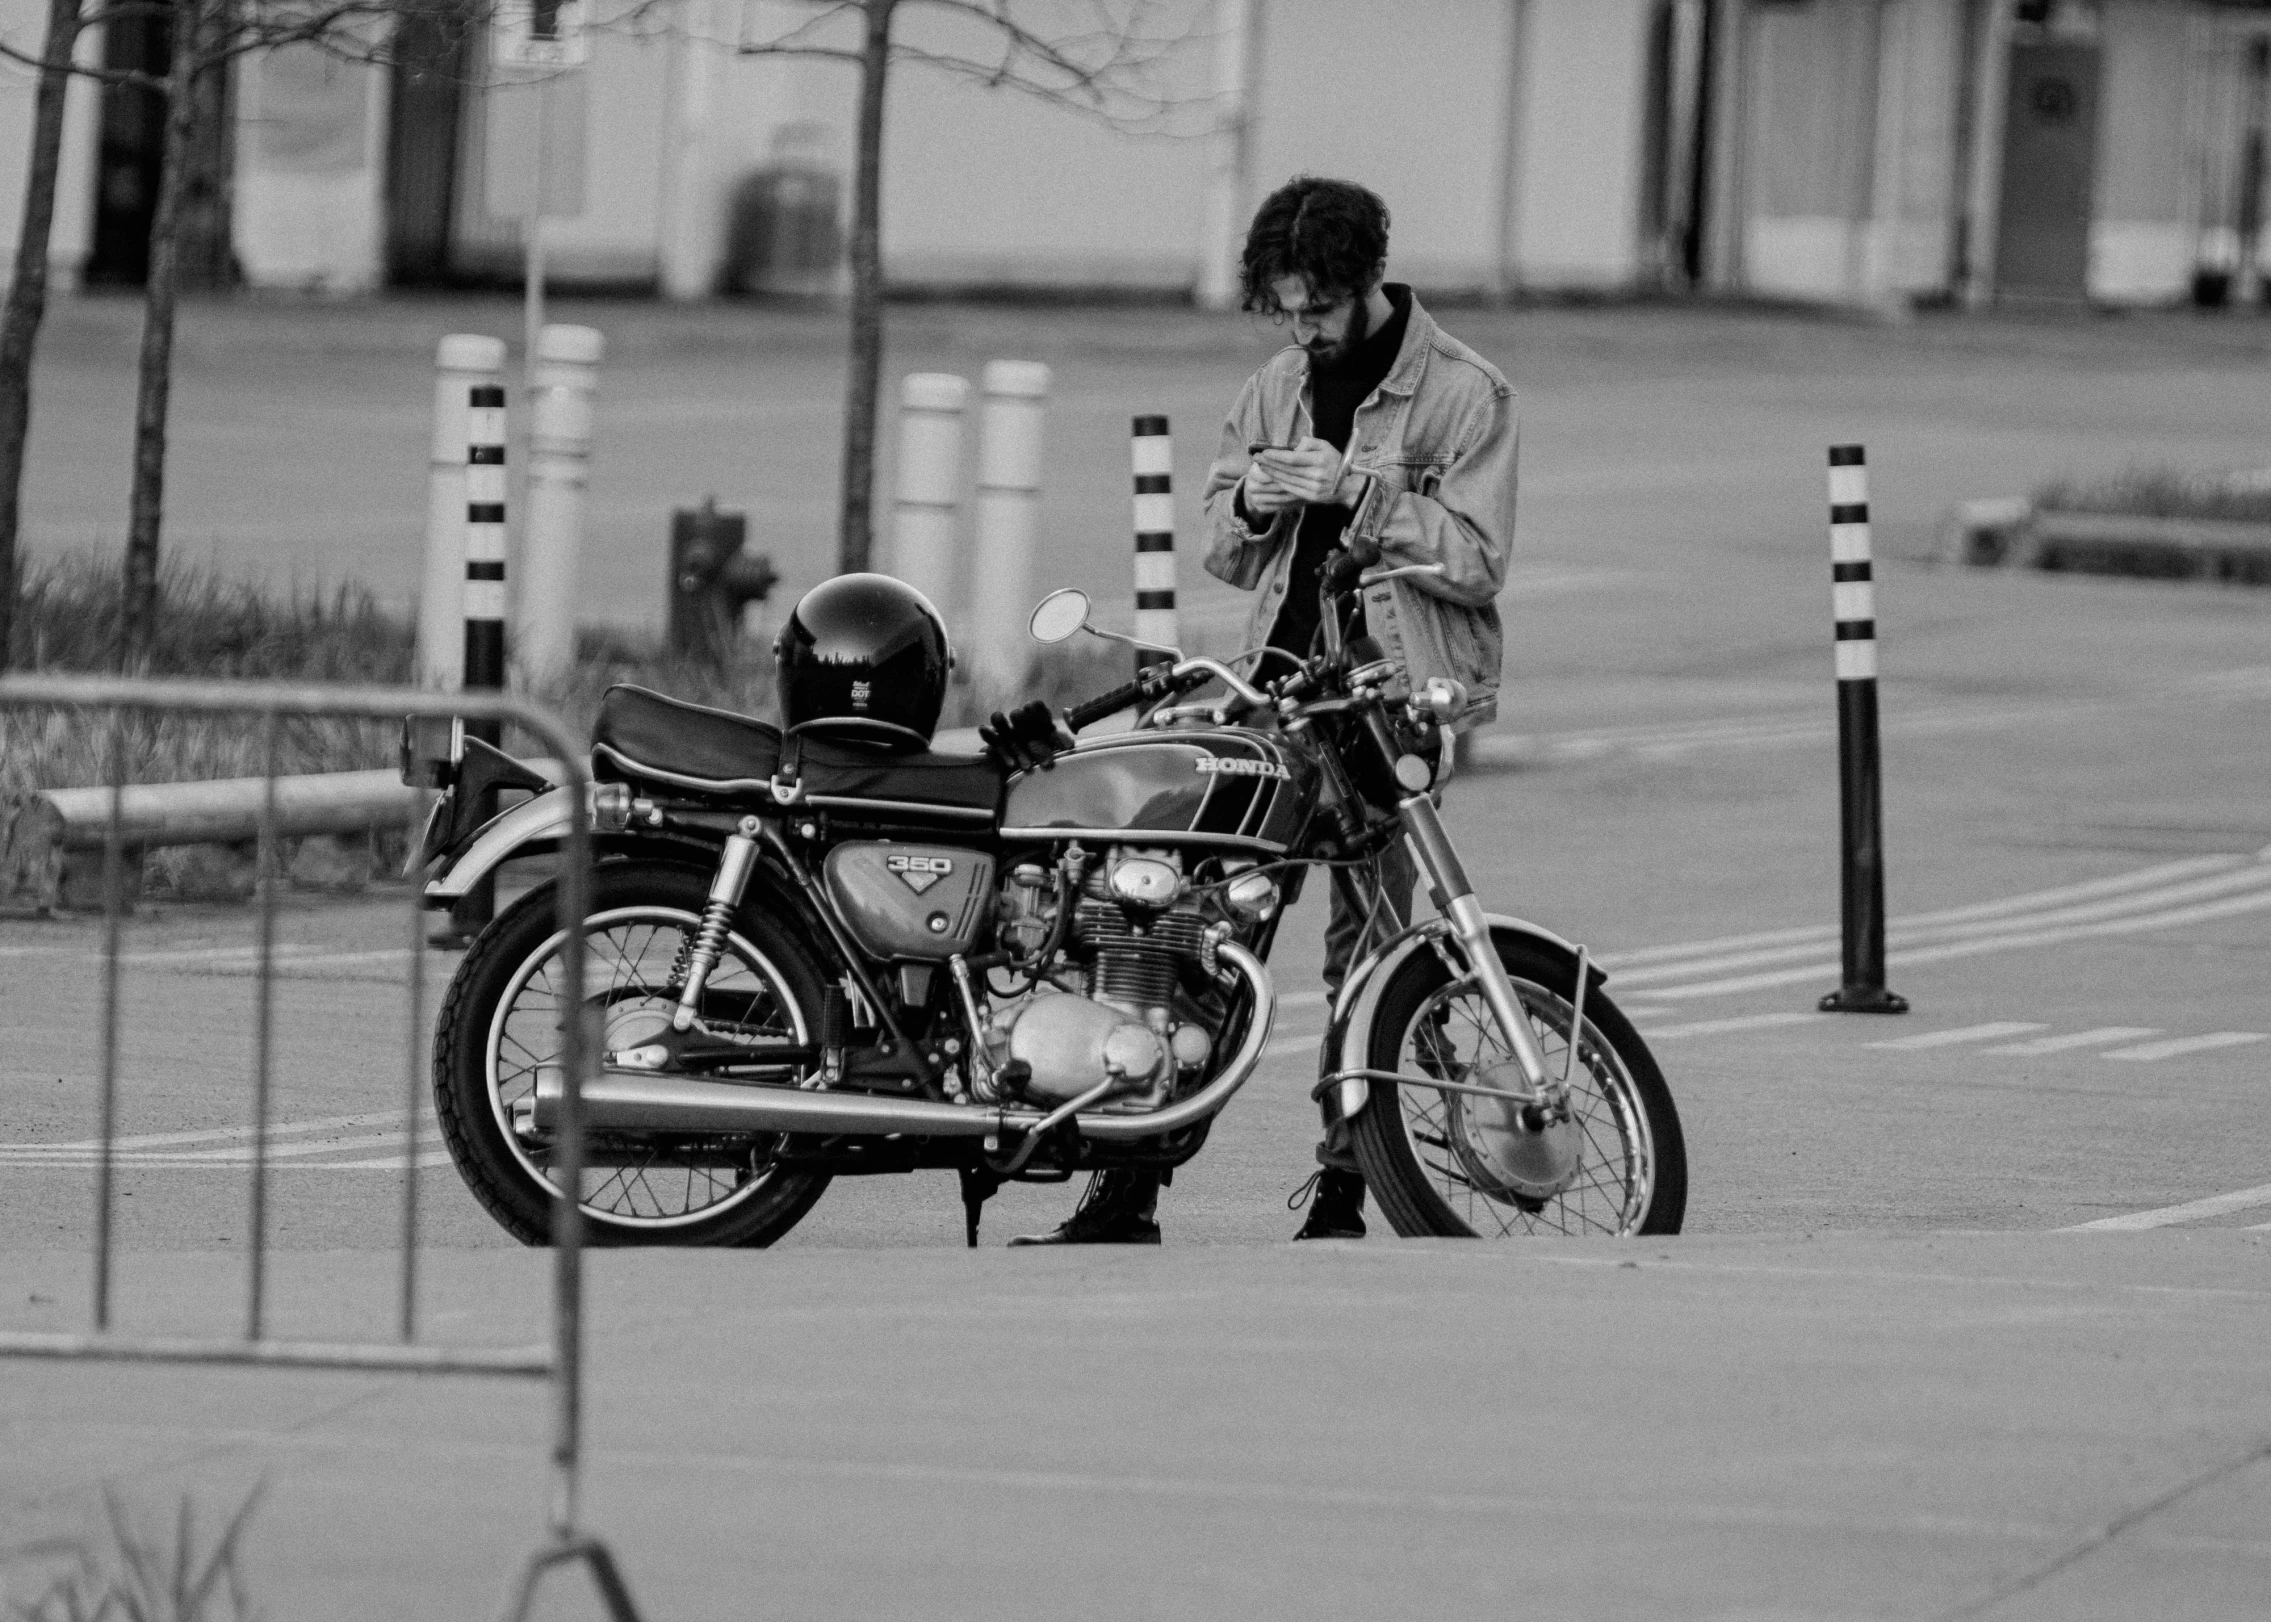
(210, 626)
(2164, 493)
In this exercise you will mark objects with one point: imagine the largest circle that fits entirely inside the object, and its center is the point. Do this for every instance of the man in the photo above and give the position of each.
(1377, 428)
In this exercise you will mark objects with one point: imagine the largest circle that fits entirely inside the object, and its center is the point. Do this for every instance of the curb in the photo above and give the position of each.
(2008, 531)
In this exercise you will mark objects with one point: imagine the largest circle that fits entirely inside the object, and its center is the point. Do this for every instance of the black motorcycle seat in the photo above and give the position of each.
(645, 736)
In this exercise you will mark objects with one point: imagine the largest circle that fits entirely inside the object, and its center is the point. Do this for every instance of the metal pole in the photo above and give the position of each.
(1862, 871)
(114, 906)
(576, 1048)
(1153, 453)
(463, 360)
(263, 1020)
(559, 469)
(1009, 499)
(484, 598)
(924, 515)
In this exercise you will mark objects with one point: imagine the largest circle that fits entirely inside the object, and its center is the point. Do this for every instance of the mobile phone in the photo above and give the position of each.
(1255, 447)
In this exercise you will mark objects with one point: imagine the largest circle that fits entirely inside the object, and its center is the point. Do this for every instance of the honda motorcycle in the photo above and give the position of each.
(807, 959)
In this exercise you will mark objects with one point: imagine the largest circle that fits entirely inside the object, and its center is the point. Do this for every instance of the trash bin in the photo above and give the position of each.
(786, 234)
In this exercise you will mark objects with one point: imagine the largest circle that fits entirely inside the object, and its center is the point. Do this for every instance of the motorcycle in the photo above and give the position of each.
(807, 959)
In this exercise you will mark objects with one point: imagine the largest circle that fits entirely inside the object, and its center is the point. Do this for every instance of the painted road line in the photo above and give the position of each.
(2168, 1216)
(2149, 1051)
(162, 1140)
(2035, 900)
(1962, 1033)
(2252, 880)
(278, 1153)
(1748, 1022)
(1286, 1046)
(1302, 999)
(2016, 940)
(2074, 1039)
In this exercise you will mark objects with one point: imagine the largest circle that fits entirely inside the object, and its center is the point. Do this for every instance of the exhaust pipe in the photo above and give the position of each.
(640, 1101)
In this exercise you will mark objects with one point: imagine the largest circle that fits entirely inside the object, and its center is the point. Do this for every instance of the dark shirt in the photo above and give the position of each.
(1335, 391)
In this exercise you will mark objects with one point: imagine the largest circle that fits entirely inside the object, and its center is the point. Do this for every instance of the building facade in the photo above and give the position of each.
(1862, 151)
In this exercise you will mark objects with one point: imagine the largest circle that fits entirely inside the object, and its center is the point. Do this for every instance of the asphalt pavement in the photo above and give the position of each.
(1878, 1376)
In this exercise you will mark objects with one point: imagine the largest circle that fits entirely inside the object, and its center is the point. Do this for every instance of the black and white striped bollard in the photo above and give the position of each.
(484, 609)
(1860, 782)
(1155, 618)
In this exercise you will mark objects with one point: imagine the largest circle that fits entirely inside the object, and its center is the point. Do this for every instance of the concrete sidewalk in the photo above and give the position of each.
(2038, 1425)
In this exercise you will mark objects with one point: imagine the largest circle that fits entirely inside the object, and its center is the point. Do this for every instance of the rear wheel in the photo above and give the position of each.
(501, 1021)
(1455, 1164)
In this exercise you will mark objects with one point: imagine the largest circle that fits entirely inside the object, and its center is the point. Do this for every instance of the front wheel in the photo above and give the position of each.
(501, 1021)
(1455, 1164)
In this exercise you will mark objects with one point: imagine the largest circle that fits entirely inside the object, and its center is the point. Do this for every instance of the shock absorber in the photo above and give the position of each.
(726, 888)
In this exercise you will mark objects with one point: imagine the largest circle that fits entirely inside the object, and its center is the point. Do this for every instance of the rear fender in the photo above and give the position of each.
(538, 825)
(1348, 1039)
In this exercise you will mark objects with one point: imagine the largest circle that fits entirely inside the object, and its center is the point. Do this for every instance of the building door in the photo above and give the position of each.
(131, 147)
(2050, 129)
(431, 49)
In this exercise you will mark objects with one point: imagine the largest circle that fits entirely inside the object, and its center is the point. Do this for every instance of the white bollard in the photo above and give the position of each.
(559, 467)
(463, 360)
(1009, 499)
(930, 487)
(1154, 457)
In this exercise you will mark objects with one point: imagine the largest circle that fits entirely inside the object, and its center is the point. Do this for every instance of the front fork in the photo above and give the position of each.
(1454, 897)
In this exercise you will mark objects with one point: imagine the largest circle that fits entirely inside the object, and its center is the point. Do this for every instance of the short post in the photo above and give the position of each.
(484, 606)
(930, 485)
(464, 360)
(1009, 498)
(1862, 872)
(559, 468)
(1154, 458)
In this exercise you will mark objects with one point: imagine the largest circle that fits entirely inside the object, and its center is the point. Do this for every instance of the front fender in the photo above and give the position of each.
(536, 826)
(1349, 1036)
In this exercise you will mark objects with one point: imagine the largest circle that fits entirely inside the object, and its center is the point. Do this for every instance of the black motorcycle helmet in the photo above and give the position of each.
(867, 653)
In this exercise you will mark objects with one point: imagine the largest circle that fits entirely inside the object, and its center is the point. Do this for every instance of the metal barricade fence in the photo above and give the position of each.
(560, 1360)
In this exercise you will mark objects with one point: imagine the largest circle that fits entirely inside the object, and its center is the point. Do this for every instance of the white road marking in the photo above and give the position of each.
(1903, 936)
(2149, 1051)
(164, 1140)
(1964, 1033)
(1749, 1022)
(2168, 1216)
(1286, 1046)
(1302, 999)
(1830, 968)
(2074, 1039)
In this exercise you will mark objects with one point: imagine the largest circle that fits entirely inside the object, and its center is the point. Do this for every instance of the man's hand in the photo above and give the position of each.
(1027, 737)
(1310, 473)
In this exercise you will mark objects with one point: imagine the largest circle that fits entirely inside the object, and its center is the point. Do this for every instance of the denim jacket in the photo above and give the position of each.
(1438, 439)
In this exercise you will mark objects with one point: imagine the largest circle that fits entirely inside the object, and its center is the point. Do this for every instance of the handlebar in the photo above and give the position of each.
(1111, 703)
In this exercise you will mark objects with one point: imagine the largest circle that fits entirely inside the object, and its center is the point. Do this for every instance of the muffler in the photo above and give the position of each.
(641, 1101)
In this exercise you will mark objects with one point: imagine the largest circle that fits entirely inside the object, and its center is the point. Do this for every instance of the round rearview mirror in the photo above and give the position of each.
(1060, 615)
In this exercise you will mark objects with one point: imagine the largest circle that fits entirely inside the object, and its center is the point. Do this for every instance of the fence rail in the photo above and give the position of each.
(560, 1359)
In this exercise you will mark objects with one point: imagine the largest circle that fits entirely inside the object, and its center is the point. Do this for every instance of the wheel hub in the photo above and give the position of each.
(1499, 1153)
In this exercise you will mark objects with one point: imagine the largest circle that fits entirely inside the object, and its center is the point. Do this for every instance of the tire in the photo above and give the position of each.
(1445, 1164)
(499, 1020)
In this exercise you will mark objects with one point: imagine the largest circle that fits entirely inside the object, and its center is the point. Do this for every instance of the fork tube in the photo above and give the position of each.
(1454, 896)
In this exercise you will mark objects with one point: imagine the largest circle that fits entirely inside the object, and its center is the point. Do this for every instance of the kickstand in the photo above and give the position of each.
(978, 1186)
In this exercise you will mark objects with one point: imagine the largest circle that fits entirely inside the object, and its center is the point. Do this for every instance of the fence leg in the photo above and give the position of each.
(559, 467)
(464, 360)
(1155, 619)
(1009, 492)
(1860, 782)
(614, 1593)
(930, 487)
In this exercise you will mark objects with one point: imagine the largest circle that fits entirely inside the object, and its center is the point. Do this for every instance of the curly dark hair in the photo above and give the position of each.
(1332, 233)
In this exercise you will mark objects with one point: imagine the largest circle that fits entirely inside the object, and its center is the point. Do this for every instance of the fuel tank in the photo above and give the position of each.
(1219, 788)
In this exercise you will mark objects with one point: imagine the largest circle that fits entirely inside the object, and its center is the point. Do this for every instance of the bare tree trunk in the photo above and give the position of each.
(138, 618)
(27, 295)
(205, 256)
(856, 531)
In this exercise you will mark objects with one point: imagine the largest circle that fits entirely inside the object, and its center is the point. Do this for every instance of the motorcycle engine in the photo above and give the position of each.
(1136, 928)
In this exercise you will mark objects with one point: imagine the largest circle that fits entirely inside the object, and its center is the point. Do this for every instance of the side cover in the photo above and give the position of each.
(911, 901)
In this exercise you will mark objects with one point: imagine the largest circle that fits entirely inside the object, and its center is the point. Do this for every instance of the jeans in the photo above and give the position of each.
(1347, 939)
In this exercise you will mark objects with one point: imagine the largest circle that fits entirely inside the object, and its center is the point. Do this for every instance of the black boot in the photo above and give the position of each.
(1338, 1210)
(1116, 1210)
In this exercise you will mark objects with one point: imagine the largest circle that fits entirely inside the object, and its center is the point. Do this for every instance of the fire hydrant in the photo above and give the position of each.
(711, 580)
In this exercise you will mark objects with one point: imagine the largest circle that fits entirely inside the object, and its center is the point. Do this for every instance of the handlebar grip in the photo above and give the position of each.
(1111, 703)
